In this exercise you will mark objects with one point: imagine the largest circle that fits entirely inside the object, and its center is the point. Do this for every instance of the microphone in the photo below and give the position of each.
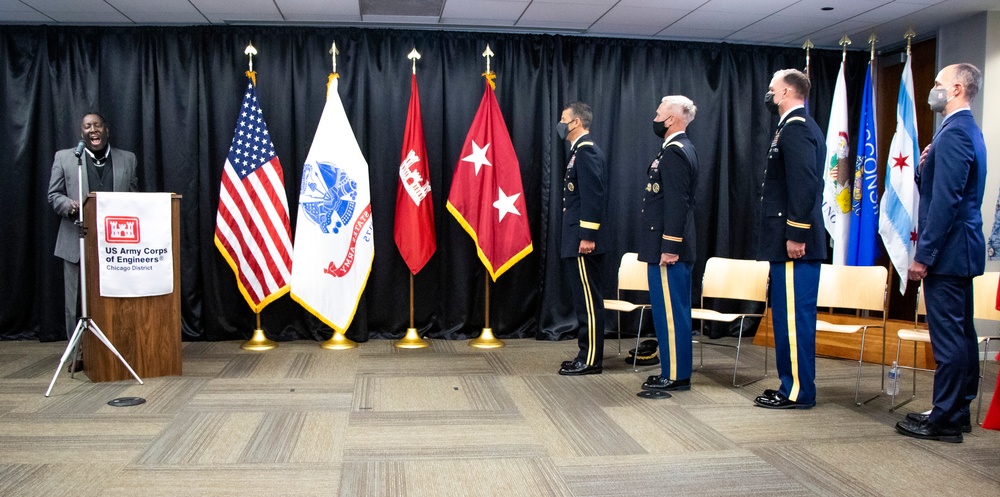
(79, 149)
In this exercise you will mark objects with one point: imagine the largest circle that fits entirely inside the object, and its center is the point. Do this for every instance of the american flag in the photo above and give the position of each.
(251, 227)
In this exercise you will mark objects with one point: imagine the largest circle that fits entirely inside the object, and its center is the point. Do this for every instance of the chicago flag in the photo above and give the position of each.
(414, 226)
(837, 173)
(487, 197)
(334, 223)
(251, 225)
(898, 223)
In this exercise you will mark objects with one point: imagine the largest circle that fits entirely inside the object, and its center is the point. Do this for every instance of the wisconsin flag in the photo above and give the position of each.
(837, 173)
(334, 223)
(414, 226)
(898, 223)
(864, 205)
(251, 225)
(487, 197)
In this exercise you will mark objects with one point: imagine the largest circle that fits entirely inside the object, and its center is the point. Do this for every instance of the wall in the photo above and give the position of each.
(970, 40)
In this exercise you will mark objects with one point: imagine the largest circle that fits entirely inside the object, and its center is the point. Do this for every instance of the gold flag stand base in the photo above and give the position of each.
(486, 340)
(412, 340)
(258, 342)
(339, 342)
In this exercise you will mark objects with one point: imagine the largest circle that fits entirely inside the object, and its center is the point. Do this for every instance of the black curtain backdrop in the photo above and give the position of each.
(172, 96)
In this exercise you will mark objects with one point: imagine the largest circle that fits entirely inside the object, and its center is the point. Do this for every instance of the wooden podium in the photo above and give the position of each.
(145, 330)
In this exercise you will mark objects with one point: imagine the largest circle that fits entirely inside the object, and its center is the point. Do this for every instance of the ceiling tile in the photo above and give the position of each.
(624, 15)
(323, 9)
(687, 5)
(611, 29)
(694, 33)
(842, 9)
(561, 15)
(384, 19)
(757, 7)
(78, 11)
(238, 10)
(718, 20)
(29, 16)
(490, 13)
(779, 23)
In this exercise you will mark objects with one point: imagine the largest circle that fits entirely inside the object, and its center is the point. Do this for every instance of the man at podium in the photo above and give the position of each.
(104, 170)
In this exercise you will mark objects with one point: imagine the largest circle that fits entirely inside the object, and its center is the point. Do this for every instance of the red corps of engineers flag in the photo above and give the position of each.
(251, 227)
(487, 196)
(414, 226)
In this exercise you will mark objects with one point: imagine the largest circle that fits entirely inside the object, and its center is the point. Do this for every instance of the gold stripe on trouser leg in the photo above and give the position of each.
(671, 331)
(793, 344)
(588, 300)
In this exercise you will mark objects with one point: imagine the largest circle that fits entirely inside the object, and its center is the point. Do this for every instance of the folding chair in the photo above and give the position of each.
(631, 277)
(861, 288)
(734, 279)
(915, 335)
(984, 289)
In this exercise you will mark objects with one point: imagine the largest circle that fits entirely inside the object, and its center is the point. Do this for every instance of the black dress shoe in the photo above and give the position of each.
(777, 401)
(918, 417)
(926, 430)
(661, 384)
(577, 368)
(75, 366)
(566, 364)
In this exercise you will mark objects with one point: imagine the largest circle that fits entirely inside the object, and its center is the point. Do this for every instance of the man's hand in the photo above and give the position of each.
(668, 259)
(586, 247)
(796, 250)
(74, 207)
(923, 155)
(917, 271)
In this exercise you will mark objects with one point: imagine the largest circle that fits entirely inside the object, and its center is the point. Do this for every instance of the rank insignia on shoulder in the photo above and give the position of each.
(570, 187)
(656, 188)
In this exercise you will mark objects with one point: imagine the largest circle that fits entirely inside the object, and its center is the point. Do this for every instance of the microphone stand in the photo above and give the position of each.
(85, 322)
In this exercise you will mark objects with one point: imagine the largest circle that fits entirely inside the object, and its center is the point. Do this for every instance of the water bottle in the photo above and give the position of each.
(892, 385)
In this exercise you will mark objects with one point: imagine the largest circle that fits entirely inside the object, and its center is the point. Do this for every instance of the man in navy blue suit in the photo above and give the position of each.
(951, 250)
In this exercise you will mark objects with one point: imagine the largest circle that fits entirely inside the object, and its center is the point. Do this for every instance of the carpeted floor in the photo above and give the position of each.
(451, 420)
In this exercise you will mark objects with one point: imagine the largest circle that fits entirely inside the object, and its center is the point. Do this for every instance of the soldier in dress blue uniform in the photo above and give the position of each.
(583, 241)
(951, 251)
(792, 238)
(667, 241)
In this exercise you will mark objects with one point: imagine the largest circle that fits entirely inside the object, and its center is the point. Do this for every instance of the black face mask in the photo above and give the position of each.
(769, 102)
(660, 128)
(562, 129)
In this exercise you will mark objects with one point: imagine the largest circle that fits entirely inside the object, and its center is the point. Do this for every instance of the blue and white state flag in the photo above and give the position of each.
(898, 223)
(864, 216)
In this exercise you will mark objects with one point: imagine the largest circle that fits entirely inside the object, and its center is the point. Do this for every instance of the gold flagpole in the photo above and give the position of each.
(844, 42)
(808, 45)
(486, 339)
(338, 341)
(259, 341)
(412, 338)
(871, 40)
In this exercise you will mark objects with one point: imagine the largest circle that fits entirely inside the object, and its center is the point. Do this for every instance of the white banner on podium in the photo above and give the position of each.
(134, 244)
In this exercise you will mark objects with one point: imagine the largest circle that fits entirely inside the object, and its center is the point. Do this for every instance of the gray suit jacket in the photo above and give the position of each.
(63, 190)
